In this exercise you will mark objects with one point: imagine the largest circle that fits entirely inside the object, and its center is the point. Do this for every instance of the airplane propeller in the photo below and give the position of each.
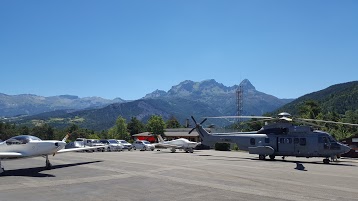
(196, 124)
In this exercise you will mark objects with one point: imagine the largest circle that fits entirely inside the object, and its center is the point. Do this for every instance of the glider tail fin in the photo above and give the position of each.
(65, 138)
(160, 139)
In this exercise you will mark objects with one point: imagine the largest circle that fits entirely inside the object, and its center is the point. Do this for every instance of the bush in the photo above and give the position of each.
(202, 147)
(222, 146)
(236, 148)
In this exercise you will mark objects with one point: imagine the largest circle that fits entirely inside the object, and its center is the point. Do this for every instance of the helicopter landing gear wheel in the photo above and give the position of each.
(272, 157)
(326, 161)
(262, 157)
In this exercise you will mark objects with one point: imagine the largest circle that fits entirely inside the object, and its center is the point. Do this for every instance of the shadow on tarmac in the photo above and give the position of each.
(167, 151)
(230, 158)
(36, 172)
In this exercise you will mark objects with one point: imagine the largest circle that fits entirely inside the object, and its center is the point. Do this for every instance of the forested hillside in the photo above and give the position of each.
(338, 98)
(336, 103)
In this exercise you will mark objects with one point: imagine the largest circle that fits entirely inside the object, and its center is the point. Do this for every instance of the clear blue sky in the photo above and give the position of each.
(130, 48)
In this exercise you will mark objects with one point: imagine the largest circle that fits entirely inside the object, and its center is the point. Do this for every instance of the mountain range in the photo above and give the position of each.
(205, 98)
(29, 104)
(223, 98)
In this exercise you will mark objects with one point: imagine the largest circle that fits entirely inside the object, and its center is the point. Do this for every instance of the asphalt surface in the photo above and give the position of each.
(161, 175)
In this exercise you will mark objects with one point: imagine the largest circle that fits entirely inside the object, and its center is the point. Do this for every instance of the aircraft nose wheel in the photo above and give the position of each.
(1, 168)
(262, 157)
(48, 164)
(326, 161)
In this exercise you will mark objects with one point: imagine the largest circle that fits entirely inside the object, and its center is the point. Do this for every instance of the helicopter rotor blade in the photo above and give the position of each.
(192, 130)
(240, 117)
(196, 124)
(308, 123)
(203, 121)
(324, 121)
(193, 120)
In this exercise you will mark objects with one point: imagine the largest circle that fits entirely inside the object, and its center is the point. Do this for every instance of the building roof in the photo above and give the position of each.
(145, 134)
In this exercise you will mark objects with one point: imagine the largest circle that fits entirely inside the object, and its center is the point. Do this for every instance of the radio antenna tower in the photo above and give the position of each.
(239, 103)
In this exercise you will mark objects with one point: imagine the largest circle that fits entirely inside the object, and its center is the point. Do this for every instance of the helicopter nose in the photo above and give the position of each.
(346, 148)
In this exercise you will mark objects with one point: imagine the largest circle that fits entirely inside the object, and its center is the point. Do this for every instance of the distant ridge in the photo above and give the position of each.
(29, 104)
(336, 98)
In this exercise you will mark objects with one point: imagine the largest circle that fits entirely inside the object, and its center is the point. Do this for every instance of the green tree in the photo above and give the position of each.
(50, 133)
(119, 130)
(310, 109)
(72, 130)
(93, 136)
(172, 123)
(42, 132)
(112, 134)
(121, 127)
(25, 130)
(135, 126)
(156, 125)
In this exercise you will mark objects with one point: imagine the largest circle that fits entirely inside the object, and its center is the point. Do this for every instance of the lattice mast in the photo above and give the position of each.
(239, 103)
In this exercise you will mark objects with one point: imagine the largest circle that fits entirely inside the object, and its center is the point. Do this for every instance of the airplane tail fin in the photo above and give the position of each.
(65, 138)
(160, 139)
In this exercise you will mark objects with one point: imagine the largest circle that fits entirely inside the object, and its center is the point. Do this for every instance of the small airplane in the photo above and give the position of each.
(27, 146)
(279, 139)
(181, 143)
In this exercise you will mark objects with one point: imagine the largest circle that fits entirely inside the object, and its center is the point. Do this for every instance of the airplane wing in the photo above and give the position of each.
(78, 149)
(10, 155)
(161, 145)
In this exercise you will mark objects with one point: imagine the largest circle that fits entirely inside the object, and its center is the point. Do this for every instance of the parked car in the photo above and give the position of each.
(95, 143)
(126, 145)
(143, 145)
(112, 144)
(78, 143)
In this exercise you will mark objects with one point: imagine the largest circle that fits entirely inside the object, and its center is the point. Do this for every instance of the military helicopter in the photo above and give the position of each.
(281, 138)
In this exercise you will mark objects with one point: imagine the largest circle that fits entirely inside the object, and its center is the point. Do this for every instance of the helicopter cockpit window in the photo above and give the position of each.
(252, 141)
(323, 139)
(331, 139)
(335, 146)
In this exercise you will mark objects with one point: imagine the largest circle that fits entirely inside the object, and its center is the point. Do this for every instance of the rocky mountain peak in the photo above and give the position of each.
(156, 94)
(246, 85)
